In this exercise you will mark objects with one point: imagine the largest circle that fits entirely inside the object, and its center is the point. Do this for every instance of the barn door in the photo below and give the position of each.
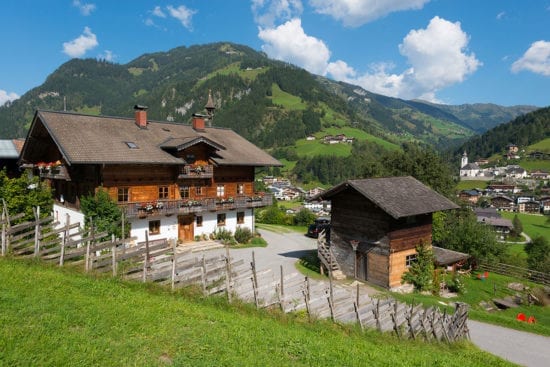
(185, 228)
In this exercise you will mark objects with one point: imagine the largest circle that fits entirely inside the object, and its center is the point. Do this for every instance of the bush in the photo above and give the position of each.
(222, 234)
(454, 282)
(243, 234)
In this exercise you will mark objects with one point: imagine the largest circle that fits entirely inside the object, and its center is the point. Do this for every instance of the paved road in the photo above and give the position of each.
(516, 346)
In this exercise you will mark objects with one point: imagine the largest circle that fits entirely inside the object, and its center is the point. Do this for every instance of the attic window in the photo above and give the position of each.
(165, 129)
(131, 145)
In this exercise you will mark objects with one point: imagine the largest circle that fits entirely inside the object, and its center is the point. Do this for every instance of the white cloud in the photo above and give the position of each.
(107, 55)
(7, 97)
(80, 45)
(157, 11)
(535, 59)
(268, 12)
(289, 42)
(501, 15)
(354, 13)
(437, 57)
(85, 8)
(183, 14)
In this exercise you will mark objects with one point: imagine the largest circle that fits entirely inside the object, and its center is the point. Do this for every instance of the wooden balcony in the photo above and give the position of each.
(55, 173)
(196, 171)
(171, 207)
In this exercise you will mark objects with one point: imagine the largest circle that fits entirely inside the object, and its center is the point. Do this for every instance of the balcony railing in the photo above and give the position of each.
(196, 171)
(170, 207)
(56, 173)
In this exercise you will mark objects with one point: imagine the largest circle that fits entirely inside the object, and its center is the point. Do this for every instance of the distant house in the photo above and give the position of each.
(502, 226)
(512, 149)
(498, 188)
(377, 223)
(314, 191)
(531, 206)
(515, 172)
(538, 155)
(502, 202)
(540, 175)
(10, 149)
(470, 196)
(545, 205)
(310, 137)
(486, 212)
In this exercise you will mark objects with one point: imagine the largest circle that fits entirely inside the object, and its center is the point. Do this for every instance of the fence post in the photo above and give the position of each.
(306, 296)
(174, 259)
(8, 226)
(254, 280)
(36, 212)
(146, 261)
(282, 290)
(3, 232)
(65, 239)
(113, 254)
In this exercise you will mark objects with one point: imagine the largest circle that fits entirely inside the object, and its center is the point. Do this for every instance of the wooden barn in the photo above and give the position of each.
(377, 223)
(173, 180)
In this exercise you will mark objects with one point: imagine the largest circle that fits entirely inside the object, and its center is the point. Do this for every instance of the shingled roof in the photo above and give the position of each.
(398, 196)
(85, 139)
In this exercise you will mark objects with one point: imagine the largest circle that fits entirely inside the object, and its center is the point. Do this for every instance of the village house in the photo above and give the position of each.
(376, 225)
(545, 205)
(502, 202)
(172, 180)
(9, 156)
(539, 175)
(531, 206)
(469, 196)
(501, 226)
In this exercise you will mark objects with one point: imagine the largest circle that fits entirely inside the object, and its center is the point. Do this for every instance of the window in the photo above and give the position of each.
(240, 189)
(131, 145)
(220, 191)
(198, 220)
(240, 217)
(163, 192)
(184, 192)
(123, 194)
(198, 190)
(409, 260)
(154, 227)
(221, 219)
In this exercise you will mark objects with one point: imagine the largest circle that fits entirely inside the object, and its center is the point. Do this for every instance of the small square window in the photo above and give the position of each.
(198, 220)
(240, 217)
(221, 219)
(198, 190)
(123, 194)
(184, 192)
(240, 189)
(163, 192)
(154, 227)
(131, 145)
(409, 260)
(220, 191)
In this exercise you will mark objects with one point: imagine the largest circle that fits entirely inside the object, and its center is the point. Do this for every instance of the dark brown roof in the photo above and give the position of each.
(100, 139)
(398, 196)
(448, 257)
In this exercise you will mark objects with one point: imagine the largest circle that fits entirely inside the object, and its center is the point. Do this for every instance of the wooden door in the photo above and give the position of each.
(185, 228)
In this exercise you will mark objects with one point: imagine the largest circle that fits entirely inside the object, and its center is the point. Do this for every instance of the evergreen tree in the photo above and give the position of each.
(421, 271)
(103, 213)
(518, 227)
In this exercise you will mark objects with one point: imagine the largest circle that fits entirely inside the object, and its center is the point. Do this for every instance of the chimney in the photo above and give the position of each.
(140, 116)
(198, 122)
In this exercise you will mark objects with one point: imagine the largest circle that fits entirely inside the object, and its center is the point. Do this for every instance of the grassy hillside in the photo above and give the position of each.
(533, 225)
(56, 317)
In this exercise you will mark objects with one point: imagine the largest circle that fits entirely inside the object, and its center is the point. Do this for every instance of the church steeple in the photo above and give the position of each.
(464, 160)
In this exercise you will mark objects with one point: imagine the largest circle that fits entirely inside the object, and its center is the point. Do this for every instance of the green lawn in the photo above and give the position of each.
(58, 317)
(533, 225)
(473, 184)
(494, 287)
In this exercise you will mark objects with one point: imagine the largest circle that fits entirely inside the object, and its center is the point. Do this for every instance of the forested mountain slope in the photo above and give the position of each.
(269, 102)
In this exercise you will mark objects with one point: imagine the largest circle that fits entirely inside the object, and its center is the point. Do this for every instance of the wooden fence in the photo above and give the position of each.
(173, 266)
(515, 271)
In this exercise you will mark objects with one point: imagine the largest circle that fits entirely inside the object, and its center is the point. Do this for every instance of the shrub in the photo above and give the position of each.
(454, 282)
(243, 234)
(223, 234)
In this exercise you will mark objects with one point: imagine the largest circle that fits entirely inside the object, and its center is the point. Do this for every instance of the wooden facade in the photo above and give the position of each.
(174, 180)
(375, 228)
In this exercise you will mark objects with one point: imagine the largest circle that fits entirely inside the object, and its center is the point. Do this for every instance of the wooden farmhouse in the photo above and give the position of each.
(173, 180)
(376, 225)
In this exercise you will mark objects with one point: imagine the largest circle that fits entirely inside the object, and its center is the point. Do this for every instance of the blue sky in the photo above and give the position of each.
(446, 51)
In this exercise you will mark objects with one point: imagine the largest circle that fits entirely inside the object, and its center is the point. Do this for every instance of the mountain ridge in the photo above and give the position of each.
(175, 84)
